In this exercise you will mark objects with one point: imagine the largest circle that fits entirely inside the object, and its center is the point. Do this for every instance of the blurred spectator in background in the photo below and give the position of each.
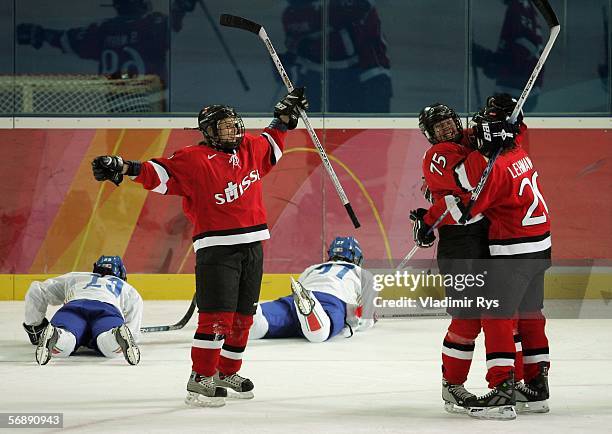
(357, 79)
(132, 44)
(604, 66)
(519, 48)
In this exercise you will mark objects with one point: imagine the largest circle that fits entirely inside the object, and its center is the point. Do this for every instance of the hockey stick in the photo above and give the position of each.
(179, 325)
(553, 23)
(250, 26)
(213, 24)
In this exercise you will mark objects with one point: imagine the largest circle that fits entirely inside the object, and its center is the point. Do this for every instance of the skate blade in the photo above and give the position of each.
(454, 408)
(197, 400)
(532, 407)
(232, 394)
(132, 352)
(304, 305)
(505, 412)
(43, 354)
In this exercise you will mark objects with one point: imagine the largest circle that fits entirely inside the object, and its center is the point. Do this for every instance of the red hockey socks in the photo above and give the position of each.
(208, 340)
(535, 344)
(458, 348)
(501, 351)
(235, 344)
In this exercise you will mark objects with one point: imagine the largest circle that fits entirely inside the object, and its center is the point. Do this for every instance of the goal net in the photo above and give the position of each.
(80, 94)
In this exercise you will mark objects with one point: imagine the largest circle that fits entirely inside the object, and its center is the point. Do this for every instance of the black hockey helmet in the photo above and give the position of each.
(505, 103)
(432, 115)
(213, 120)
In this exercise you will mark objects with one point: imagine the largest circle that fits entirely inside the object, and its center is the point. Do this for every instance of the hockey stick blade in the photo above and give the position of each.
(239, 23)
(179, 325)
(547, 12)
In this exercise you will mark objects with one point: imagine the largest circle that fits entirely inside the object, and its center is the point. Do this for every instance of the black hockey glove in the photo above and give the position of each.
(35, 331)
(109, 168)
(421, 233)
(493, 135)
(287, 109)
(505, 103)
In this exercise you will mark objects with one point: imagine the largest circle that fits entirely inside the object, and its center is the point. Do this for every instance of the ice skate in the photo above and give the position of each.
(47, 343)
(303, 300)
(497, 404)
(532, 397)
(130, 350)
(203, 392)
(237, 386)
(455, 397)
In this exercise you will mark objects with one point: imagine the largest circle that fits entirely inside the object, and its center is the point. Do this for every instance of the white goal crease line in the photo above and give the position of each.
(333, 123)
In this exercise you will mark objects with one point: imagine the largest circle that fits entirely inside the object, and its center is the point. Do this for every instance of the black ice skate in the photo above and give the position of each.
(532, 397)
(302, 298)
(126, 342)
(203, 392)
(455, 397)
(45, 345)
(237, 386)
(497, 404)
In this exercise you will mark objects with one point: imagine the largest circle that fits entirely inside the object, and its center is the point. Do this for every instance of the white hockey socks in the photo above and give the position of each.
(316, 326)
(65, 345)
(108, 345)
(260, 325)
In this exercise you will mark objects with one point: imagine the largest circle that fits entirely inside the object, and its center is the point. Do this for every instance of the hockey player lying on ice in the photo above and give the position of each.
(101, 311)
(327, 299)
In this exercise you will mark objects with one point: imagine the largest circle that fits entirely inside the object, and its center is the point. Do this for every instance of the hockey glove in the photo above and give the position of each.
(421, 231)
(35, 331)
(505, 103)
(493, 135)
(287, 109)
(108, 168)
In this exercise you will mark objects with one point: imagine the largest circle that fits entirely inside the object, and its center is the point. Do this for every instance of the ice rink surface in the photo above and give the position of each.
(384, 380)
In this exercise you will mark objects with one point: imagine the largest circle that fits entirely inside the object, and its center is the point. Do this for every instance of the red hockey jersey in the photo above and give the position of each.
(222, 193)
(439, 163)
(511, 199)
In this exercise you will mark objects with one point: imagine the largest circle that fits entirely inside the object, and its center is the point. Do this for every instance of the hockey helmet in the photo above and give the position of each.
(345, 249)
(110, 265)
(222, 127)
(432, 125)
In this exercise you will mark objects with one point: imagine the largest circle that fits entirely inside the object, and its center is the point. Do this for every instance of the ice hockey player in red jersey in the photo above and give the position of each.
(520, 247)
(458, 245)
(220, 182)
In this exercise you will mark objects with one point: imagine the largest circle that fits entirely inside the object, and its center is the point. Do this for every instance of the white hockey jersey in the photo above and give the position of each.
(84, 286)
(348, 282)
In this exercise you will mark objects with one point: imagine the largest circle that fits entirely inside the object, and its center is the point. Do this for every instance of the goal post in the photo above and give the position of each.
(80, 94)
